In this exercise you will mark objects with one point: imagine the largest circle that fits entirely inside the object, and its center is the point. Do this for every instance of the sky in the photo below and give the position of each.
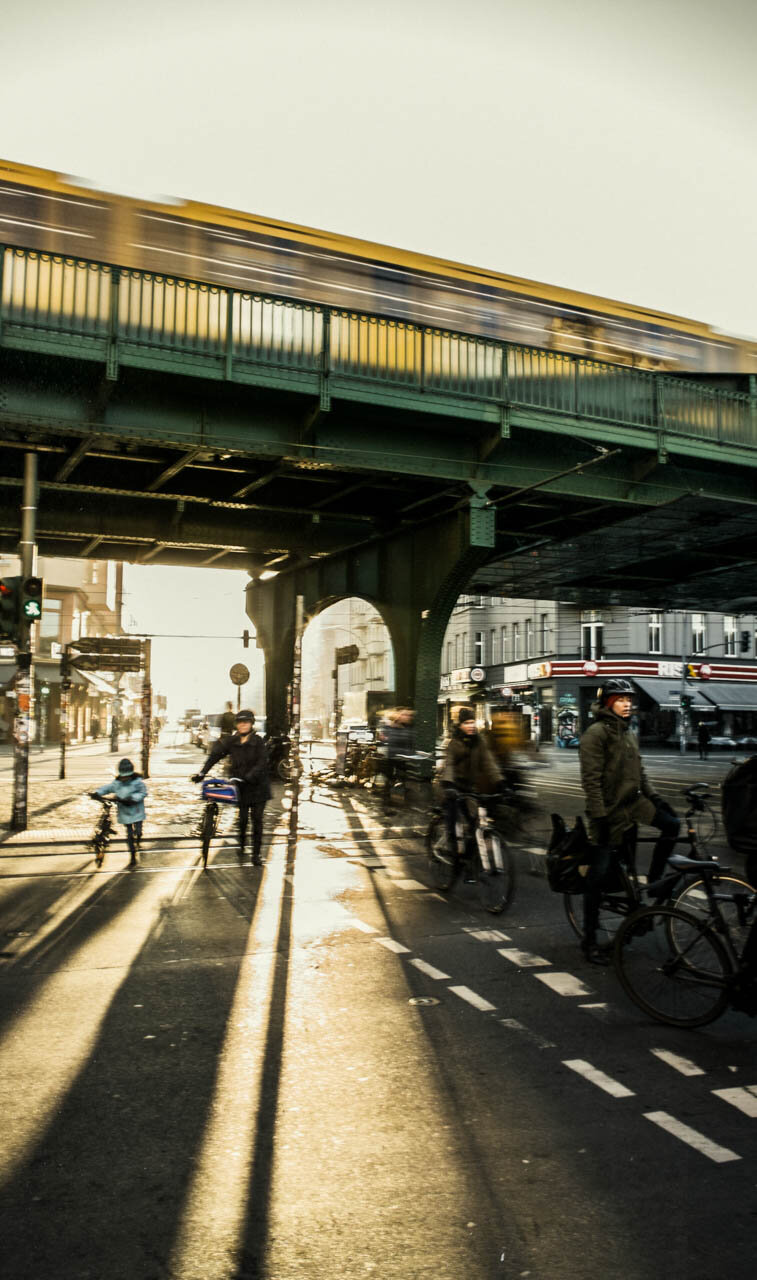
(598, 145)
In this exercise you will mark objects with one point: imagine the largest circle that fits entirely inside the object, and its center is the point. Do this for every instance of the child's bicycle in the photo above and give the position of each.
(104, 830)
(215, 792)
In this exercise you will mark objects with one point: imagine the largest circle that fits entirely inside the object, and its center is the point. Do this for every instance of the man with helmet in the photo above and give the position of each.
(618, 797)
(248, 761)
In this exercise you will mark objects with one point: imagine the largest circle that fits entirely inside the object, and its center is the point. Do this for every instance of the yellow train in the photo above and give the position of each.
(193, 251)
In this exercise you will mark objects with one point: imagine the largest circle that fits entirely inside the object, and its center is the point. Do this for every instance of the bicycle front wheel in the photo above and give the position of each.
(683, 986)
(495, 874)
(705, 823)
(735, 898)
(442, 862)
(615, 904)
(208, 830)
(99, 846)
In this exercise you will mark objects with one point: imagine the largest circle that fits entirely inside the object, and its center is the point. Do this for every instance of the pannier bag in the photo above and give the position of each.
(220, 790)
(568, 856)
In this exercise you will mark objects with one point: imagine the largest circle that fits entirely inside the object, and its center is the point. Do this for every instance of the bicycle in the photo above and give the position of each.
(481, 853)
(623, 895)
(104, 830)
(686, 970)
(215, 792)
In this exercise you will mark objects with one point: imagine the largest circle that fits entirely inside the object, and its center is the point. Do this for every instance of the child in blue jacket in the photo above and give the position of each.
(130, 791)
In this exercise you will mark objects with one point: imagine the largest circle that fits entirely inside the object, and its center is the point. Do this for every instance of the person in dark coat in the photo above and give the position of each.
(618, 796)
(703, 738)
(228, 721)
(469, 765)
(248, 762)
(397, 738)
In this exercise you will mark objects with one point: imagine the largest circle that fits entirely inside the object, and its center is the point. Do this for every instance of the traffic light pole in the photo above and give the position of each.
(146, 708)
(24, 675)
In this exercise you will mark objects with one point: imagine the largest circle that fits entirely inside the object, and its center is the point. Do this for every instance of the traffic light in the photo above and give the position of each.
(31, 600)
(246, 639)
(686, 700)
(745, 642)
(9, 608)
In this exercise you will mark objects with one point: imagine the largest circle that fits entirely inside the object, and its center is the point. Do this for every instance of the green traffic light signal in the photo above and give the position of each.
(31, 599)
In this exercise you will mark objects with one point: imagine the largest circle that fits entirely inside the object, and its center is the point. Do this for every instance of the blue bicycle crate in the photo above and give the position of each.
(220, 790)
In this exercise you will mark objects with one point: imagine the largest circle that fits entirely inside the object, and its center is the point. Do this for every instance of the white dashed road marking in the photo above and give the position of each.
(744, 1099)
(565, 984)
(487, 935)
(597, 1077)
(512, 1024)
(360, 924)
(429, 969)
(523, 959)
(477, 1001)
(391, 945)
(683, 1065)
(721, 1155)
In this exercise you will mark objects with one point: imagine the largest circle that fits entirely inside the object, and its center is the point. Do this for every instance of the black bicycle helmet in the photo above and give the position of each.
(245, 714)
(616, 687)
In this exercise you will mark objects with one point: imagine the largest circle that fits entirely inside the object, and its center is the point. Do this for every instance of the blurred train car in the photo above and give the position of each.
(377, 296)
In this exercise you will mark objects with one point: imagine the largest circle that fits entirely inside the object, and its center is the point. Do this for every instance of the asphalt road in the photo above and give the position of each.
(323, 1068)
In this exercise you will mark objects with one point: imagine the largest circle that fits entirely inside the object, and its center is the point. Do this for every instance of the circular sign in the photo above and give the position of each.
(590, 668)
(477, 674)
(239, 673)
(705, 671)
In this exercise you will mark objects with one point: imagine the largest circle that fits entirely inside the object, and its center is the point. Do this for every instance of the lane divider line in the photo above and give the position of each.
(391, 945)
(429, 970)
(683, 1065)
(597, 1077)
(565, 984)
(744, 1099)
(473, 998)
(720, 1155)
(524, 959)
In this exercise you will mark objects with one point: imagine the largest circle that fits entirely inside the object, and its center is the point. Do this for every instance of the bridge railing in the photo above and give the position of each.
(143, 310)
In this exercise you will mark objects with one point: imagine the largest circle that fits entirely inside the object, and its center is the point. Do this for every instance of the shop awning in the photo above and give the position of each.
(667, 693)
(99, 683)
(734, 695)
(44, 673)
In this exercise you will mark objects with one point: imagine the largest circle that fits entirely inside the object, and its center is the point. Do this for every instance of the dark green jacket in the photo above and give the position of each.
(612, 775)
(469, 763)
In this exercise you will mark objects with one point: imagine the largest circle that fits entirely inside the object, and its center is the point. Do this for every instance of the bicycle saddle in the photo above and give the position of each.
(682, 863)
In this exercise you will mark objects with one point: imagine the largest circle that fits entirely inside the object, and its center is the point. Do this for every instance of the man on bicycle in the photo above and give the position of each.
(469, 765)
(249, 763)
(618, 796)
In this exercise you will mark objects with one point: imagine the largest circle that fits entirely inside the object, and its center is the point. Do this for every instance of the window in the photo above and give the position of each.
(729, 634)
(655, 633)
(698, 633)
(529, 637)
(505, 645)
(493, 645)
(591, 640)
(479, 650)
(516, 641)
(49, 627)
(458, 651)
(545, 633)
(449, 655)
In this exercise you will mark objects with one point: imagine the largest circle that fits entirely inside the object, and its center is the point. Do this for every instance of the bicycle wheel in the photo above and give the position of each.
(614, 905)
(735, 898)
(284, 769)
(495, 874)
(99, 845)
(442, 863)
(705, 823)
(685, 986)
(208, 830)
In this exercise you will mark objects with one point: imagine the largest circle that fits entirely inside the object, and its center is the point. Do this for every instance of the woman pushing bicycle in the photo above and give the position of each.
(249, 767)
(618, 797)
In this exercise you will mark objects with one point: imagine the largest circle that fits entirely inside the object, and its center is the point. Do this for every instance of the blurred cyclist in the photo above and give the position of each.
(469, 765)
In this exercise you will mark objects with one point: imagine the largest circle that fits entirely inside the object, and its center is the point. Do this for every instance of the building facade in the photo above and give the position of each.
(547, 659)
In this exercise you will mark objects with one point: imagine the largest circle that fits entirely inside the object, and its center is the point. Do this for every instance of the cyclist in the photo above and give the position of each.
(397, 738)
(469, 765)
(249, 763)
(130, 791)
(618, 796)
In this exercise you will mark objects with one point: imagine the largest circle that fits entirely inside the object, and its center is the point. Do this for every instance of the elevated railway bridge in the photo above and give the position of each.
(178, 422)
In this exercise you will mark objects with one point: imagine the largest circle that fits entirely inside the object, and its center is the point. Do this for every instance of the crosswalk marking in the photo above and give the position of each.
(597, 1077)
(683, 1065)
(524, 959)
(744, 1099)
(720, 1155)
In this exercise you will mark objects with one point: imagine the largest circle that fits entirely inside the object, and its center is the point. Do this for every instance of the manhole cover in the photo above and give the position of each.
(423, 1000)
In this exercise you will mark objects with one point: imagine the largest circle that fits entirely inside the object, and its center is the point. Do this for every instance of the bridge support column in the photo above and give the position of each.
(413, 579)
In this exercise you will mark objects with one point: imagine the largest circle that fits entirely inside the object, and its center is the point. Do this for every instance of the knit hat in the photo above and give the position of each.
(465, 713)
(125, 768)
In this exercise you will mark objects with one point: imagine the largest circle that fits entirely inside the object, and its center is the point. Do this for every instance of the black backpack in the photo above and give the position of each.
(568, 856)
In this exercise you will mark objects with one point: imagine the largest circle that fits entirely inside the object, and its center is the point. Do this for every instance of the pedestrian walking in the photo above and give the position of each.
(618, 796)
(248, 761)
(130, 790)
(228, 722)
(703, 738)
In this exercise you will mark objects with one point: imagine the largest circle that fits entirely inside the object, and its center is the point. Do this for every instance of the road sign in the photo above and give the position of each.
(347, 653)
(239, 673)
(106, 644)
(106, 662)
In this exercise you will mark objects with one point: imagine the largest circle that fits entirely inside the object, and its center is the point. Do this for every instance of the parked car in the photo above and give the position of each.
(209, 731)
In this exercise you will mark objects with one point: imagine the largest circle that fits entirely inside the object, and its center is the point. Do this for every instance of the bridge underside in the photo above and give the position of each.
(165, 469)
